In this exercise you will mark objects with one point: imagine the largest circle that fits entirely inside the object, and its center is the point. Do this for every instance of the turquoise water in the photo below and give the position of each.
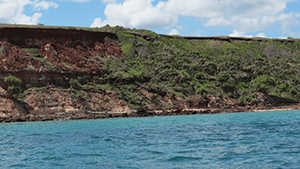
(237, 140)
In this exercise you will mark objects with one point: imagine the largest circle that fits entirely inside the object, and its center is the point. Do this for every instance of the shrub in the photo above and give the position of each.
(42, 59)
(35, 52)
(14, 84)
(67, 66)
(248, 100)
(264, 83)
(78, 95)
(15, 88)
(13, 80)
(107, 99)
(75, 84)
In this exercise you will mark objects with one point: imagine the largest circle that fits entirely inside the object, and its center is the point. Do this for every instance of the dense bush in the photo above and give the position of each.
(13, 80)
(75, 84)
(14, 84)
(223, 69)
(264, 83)
(33, 51)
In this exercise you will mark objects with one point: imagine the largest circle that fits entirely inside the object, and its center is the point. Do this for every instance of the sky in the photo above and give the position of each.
(236, 18)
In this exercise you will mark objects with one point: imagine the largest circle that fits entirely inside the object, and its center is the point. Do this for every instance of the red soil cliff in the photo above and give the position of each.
(64, 54)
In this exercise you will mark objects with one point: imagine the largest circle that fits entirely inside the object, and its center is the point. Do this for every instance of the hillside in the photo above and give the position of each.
(54, 73)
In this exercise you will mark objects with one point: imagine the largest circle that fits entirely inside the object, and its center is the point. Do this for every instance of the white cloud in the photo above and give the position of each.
(243, 15)
(30, 20)
(12, 11)
(218, 22)
(43, 5)
(239, 34)
(137, 13)
(282, 38)
(173, 32)
(229, 8)
(197, 33)
(104, 1)
(179, 27)
(240, 15)
(98, 23)
(109, 1)
(81, 0)
(260, 23)
(294, 34)
(262, 35)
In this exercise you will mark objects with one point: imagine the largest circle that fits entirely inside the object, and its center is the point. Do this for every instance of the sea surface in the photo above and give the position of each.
(235, 140)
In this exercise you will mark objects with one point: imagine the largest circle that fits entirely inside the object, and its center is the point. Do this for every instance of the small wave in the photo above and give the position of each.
(87, 155)
(53, 158)
(108, 139)
(18, 166)
(183, 158)
(94, 136)
(35, 134)
(195, 141)
(156, 152)
(185, 151)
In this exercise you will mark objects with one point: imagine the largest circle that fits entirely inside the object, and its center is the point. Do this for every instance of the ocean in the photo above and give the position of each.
(230, 140)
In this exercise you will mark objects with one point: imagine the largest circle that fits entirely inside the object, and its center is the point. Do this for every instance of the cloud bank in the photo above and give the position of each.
(242, 34)
(242, 16)
(173, 32)
(137, 13)
(12, 11)
(81, 0)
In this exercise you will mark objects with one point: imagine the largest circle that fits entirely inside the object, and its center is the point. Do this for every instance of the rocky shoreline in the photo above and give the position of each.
(88, 115)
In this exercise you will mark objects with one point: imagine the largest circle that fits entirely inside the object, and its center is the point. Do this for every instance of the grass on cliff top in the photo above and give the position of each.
(110, 29)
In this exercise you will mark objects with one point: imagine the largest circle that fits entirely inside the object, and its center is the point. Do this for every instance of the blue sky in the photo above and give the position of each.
(242, 18)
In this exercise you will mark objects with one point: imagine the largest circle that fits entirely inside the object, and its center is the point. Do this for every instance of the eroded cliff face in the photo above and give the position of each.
(45, 60)
(61, 52)
(63, 77)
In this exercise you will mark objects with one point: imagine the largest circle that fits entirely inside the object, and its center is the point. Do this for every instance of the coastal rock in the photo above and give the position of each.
(5, 94)
(79, 57)
(213, 102)
(8, 107)
(50, 100)
(16, 59)
(5, 48)
(196, 102)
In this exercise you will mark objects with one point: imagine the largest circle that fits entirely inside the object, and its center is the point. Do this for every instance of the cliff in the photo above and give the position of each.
(59, 74)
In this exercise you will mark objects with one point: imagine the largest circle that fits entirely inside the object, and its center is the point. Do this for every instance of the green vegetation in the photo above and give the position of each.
(14, 83)
(178, 66)
(78, 95)
(13, 80)
(75, 84)
(68, 66)
(35, 52)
